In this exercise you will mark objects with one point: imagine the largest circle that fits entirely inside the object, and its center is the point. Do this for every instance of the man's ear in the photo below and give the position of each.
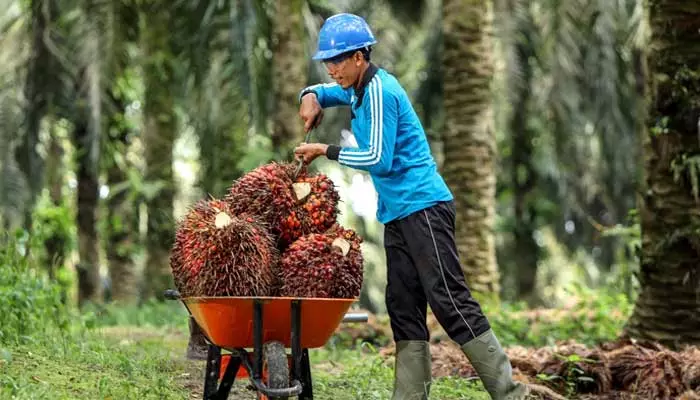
(358, 58)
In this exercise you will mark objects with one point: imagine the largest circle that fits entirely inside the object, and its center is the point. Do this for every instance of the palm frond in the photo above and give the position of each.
(260, 51)
(424, 73)
(239, 40)
(219, 117)
(10, 17)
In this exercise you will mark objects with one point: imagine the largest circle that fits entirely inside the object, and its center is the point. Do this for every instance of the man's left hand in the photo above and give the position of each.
(309, 151)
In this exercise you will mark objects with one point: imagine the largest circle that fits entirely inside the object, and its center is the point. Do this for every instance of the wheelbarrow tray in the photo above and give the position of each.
(228, 322)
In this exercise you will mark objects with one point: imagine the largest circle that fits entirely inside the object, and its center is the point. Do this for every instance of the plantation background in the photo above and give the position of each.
(566, 129)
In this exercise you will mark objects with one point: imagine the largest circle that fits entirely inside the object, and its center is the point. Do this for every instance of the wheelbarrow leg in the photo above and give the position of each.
(212, 389)
(301, 369)
(296, 339)
(212, 372)
(257, 339)
(229, 377)
(307, 393)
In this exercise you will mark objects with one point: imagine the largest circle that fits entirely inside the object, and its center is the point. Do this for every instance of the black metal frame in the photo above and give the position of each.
(300, 373)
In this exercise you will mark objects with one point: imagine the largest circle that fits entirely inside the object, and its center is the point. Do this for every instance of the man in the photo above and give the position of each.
(415, 205)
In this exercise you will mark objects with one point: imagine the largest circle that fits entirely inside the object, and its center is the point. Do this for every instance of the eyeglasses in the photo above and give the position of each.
(334, 61)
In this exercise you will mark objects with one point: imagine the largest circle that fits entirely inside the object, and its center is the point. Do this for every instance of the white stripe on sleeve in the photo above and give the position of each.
(373, 154)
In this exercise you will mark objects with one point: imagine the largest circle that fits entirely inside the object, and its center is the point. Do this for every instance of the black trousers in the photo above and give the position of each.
(423, 268)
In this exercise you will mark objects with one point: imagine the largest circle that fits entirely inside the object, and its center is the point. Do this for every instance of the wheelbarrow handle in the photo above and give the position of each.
(355, 317)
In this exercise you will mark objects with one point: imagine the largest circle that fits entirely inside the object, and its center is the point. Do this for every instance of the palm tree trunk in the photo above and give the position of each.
(469, 139)
(56, 244)
(523, 172)
(668, 306)
(88, 131)
(39, 98)
(289, 74)
(122, 228)
(88, 194)
(159, 136)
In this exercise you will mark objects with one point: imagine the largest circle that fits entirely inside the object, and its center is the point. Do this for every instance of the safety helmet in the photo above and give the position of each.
(341, 33)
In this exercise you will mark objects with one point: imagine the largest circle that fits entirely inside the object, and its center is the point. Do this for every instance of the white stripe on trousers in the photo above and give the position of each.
(442, 272)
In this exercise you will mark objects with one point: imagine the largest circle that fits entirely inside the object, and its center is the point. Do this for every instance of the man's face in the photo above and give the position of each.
(345, 70)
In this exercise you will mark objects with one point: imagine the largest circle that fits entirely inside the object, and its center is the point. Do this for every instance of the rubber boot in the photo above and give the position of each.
(493, 366)
(412, 370)
(197, 348)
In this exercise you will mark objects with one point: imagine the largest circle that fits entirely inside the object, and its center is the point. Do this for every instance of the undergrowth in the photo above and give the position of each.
(596, 316)
(48, 350)
(363, 373)
(31, 305)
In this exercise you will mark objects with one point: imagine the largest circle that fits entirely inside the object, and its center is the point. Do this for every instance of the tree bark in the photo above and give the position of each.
(56, 244)
(668, 306)
(159, 135)
(523, 173)
(88, 195)
(469, 139)
(289, 74)
(122, 227)
(38, 94)
(88, 131)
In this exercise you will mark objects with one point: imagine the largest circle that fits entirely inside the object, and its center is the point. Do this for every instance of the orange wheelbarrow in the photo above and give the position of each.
(256, 331)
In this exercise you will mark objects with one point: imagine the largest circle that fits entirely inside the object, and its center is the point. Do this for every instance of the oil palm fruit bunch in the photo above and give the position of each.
(291, 205)
(220, 253)
(318, 212)
(323, 265)
(348, 280)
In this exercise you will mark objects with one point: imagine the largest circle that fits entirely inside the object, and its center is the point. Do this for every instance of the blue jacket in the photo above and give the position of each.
(392, 145)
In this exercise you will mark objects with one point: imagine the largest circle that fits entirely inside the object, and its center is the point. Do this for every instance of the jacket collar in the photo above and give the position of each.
(360, 91)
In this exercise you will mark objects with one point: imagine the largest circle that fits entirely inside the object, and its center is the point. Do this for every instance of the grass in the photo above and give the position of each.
(338, 373)
(50, 352)
(363, 374)
(93, 368)
(121, 362)
(138, 353)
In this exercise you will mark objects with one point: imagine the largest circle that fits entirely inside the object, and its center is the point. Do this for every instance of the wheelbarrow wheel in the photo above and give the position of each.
(277, 367)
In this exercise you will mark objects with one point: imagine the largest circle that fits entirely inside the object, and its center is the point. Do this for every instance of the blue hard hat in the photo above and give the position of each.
(341, 33)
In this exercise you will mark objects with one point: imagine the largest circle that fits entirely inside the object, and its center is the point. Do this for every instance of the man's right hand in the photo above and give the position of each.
(310, 111)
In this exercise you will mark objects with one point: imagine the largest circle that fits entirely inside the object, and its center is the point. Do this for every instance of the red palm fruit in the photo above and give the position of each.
(326, 265)
(318, 210)
(269, 193)
(291, 206)
(265, 192)
(348, 280)
(217, 253)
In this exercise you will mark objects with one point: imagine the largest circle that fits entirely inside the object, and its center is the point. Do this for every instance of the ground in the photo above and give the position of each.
(140, 354)
(123, 362)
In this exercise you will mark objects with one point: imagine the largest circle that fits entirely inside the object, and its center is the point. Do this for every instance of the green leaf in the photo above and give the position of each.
(5, 355)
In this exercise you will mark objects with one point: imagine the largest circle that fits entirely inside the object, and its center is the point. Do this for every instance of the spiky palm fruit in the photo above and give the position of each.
(348, 280)
(291, 206)
(266, 192)
(327, 265)
(218, 253)
(317, 212)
